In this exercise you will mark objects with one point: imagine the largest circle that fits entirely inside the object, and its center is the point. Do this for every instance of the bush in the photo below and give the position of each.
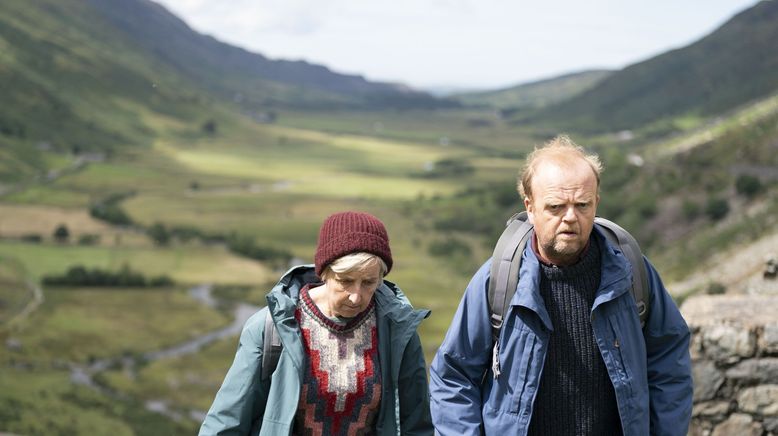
(32, 238)
(61, 233)
(110, 211)
(158, 233)
(716, 208)
(210, 127)
(79, 275)
(716, 288)
(748, 185)
(247, 247)
(88, 239)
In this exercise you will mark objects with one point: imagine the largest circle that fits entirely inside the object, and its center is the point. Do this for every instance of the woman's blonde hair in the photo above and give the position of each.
(354, 262)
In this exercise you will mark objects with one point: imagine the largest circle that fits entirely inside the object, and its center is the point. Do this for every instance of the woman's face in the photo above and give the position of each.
(348, 294)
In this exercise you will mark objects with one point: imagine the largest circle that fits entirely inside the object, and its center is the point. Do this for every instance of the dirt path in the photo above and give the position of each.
(32, 305)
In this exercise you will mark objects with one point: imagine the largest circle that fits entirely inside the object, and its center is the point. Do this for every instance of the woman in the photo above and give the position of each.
(351, 361)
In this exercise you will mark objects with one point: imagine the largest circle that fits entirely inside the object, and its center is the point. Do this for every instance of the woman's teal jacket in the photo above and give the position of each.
(245, 405)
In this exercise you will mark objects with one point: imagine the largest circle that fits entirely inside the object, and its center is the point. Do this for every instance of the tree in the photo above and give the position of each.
(210, 127)
(748, 185)
(61, 234)
(159, 234)
(717, 208)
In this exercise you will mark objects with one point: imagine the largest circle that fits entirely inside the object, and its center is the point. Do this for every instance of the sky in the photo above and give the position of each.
(460, 44)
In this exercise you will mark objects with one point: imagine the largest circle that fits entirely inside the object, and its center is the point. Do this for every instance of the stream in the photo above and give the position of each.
(84, 375)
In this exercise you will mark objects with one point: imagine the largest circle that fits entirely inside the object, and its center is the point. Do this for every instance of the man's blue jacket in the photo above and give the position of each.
(650, 368)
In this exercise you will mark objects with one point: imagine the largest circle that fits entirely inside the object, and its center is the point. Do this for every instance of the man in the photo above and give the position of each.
(571, 357)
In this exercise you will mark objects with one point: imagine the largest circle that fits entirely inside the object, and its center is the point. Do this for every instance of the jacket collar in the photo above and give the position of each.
(615, 280)
(391, 307)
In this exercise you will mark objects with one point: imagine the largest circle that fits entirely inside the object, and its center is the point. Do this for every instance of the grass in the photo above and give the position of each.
(186, 264)
(44, 401)
(80, 325)
(14, 292)
(188, 382)
(18, 220)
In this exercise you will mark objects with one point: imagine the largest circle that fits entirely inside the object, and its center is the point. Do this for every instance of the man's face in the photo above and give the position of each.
(562, 208)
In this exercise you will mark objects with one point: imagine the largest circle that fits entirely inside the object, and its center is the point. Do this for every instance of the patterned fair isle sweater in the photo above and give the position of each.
(341, 387)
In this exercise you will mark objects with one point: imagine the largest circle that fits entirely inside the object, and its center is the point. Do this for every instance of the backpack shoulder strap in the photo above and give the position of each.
(629, 246)
(504, 272)
(271, 348)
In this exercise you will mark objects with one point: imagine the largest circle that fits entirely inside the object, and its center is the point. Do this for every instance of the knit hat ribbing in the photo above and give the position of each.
(351, 232)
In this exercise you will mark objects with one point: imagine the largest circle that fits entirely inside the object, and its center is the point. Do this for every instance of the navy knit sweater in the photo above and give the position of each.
(576, 396)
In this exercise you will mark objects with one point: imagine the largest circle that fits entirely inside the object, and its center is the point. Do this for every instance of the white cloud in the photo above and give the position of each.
(486, 43)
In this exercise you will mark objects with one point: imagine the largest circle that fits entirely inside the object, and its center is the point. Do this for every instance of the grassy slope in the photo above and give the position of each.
(734, 65)
(536, 94)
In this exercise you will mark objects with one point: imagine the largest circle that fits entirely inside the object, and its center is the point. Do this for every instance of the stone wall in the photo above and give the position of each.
(734, 353)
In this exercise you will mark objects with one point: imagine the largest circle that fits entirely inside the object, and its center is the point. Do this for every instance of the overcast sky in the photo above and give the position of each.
(458, 43)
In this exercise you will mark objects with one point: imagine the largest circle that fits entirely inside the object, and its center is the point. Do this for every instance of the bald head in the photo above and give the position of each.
(562, 154)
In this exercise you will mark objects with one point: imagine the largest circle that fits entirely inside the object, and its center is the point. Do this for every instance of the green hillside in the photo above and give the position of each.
(251, 79)
(537, 94)
(734, 65)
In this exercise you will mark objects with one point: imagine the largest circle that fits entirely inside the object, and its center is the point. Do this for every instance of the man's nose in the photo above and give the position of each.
(570, 214)
(354, 297)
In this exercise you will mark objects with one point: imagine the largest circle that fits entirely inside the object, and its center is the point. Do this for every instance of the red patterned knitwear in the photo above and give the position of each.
(341, 388)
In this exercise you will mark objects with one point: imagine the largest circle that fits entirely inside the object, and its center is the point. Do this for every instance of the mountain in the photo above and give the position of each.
(536, 94)
(82, 74)
(733, 65)
(233, 71)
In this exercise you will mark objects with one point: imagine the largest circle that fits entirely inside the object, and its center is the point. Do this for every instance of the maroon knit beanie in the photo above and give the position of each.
(351, 232)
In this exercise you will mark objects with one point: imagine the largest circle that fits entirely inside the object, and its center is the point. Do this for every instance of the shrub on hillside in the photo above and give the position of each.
(79, 275)
(158, 233)
(61, 234)
(716, 288)
(33, 238)
(247, 247)
(748, 185)
(716, 208)
(88, 239)
(109, 209)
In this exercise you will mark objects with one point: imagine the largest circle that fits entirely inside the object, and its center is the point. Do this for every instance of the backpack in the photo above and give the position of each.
(506, 262)
(271, 348)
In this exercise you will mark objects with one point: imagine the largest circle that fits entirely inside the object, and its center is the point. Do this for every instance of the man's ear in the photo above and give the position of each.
(530, 210)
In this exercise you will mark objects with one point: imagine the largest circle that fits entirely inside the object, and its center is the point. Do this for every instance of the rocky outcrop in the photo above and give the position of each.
(734, 353)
